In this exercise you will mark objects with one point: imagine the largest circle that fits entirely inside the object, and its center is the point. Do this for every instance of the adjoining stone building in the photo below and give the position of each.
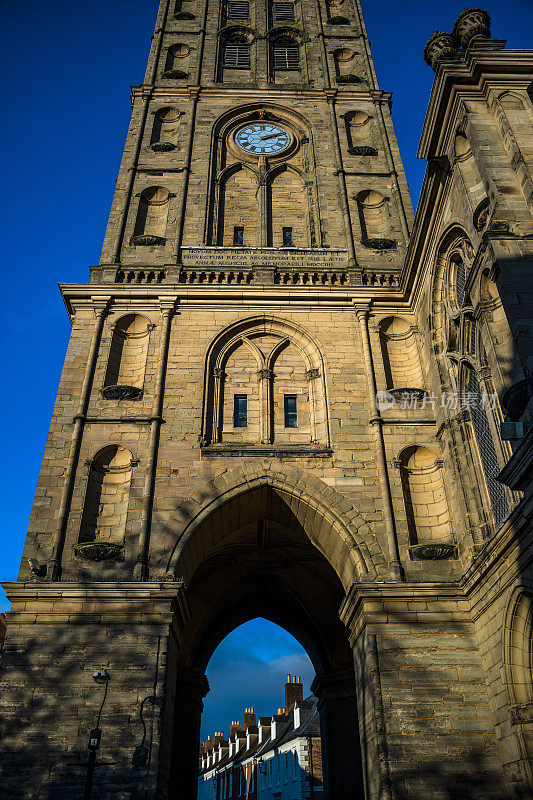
(278, 756)
(283, 397)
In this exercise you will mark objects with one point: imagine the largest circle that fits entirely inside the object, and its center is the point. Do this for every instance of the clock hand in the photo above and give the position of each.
(270, 136)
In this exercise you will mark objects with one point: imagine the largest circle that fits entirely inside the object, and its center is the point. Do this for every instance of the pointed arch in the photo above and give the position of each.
(333, 525)
(277, 329)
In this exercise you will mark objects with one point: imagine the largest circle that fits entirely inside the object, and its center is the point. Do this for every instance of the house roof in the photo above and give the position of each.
(286, 732)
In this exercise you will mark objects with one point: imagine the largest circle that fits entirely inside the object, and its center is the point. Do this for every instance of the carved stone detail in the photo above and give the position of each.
(432, 551)
(471, 24)
(99, 551)
(441, 47)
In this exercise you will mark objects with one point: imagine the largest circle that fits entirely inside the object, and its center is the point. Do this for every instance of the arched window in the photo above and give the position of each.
(477, 403)
(106, 498)
(426, 504)
(151, 222)
(236, 52)
(126, 365)
(287, 210)
(238, 209)
(265, 384)
(285, 54)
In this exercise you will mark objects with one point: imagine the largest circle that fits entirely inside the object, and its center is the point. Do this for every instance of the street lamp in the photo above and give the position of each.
(101, 677)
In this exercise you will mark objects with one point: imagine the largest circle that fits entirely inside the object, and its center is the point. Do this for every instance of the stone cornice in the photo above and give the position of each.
(480, 68)
(82, 296)
(56, 603)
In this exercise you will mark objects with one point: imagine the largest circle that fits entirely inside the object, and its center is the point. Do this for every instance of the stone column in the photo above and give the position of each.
(341, 751)
(190, 689)
(266, 423)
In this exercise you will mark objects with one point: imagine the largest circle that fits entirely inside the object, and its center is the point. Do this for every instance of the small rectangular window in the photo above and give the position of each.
(287, 237)
(283, 11)
(286, 57)
(238, 236)
(240, 411)
(238, 9)
(291, 413)
(237, 56)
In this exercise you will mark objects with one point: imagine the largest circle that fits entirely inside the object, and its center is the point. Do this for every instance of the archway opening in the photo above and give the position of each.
(258, 555)
(260, 724)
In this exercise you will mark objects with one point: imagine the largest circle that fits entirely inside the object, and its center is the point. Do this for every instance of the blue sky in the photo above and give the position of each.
(66, 70)
(249, 668)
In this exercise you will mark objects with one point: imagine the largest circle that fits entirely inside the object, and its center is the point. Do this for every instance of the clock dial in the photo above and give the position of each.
(262, 138)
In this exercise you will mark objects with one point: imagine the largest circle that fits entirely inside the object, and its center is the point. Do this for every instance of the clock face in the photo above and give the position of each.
(262, 138)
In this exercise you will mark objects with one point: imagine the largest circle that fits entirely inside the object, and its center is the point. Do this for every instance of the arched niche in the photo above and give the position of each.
(374, 219)
(177, 61)
(184, 9)
(126, 364)
(336, 13)
(401, 359)
(518, 661)
(359, 135)
(424, 492)
(473, 183)
(512, 101)
(287, 208)
(152, 215)
(277, 354)
(165, 129)
(345, 61)
(105, 508)
(237, 206)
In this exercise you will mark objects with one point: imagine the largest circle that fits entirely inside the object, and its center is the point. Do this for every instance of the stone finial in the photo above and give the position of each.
(471, 24)
(441, 47)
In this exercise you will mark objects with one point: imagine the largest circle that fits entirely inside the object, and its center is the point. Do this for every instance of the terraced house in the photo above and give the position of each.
(285, 396)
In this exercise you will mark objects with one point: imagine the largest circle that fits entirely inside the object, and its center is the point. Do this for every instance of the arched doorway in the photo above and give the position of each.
(262, 553)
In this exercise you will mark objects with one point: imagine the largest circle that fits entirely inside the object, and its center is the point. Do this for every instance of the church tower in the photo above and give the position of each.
(250, 420)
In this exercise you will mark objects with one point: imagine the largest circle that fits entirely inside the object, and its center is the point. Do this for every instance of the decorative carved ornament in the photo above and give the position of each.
(522, 713)
(99, 551)
(147, 239)
(432, 551)
(122, 392)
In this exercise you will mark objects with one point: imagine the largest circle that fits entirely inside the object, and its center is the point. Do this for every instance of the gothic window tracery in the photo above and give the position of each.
(270, 376)
(478, 401)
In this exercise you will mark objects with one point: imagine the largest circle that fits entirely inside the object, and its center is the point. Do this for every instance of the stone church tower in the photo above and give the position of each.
(284, 397)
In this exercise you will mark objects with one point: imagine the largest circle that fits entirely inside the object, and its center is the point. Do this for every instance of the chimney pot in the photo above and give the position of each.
(294, 692)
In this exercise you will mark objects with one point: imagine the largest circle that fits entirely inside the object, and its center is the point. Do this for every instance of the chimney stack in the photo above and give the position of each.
(235, 727)
(294, 691)
(218, 737)
(249, 718)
